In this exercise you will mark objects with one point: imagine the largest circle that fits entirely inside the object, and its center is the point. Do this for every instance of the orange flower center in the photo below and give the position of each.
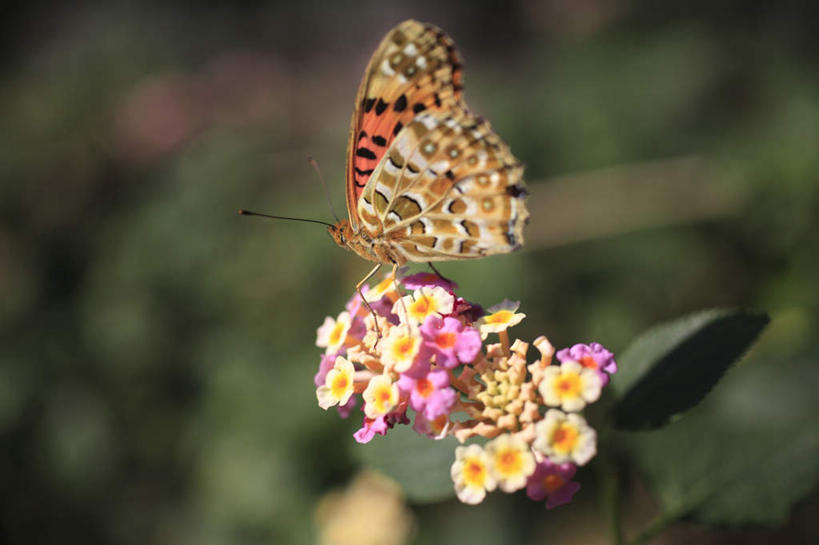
(340, 383)
(335, 335)
(403, 347)
(384, 285)
(424, 387)
(588, 361)
(568, 385)
(509, 462)
(422, 305)
(552, 483)
(445, 340)
(384, 396)
(438, 424)
(565, 438)
(474, 472)
(499, 317)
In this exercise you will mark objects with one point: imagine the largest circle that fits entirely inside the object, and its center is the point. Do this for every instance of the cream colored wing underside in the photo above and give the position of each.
(447, 188)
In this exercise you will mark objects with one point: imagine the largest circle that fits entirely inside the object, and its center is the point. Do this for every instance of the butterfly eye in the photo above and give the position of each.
(429, 148)
(472, 161)
(410, 71)
(454, 152)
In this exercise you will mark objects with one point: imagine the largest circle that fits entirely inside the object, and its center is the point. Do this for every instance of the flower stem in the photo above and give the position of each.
(610, 497)
(660, 523)
(504, 339)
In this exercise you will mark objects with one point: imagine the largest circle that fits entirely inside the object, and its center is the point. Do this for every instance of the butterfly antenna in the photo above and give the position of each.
(315, 166)
(244, 212)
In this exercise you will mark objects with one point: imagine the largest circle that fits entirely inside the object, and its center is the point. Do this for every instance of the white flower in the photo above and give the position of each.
(333, 333)
(500, 317)
(400, 347)
(385, 287)
(422, 303)
(569, 386)
(471, 474)
(380, 396)
(565, 438)
(511, 461)
(338, 384)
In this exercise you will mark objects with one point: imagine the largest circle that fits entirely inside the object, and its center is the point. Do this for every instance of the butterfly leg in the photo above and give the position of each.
(436, 271)
(401, 299)
(363, 300)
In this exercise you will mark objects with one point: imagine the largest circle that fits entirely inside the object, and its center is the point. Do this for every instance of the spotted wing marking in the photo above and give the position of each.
(447, 188)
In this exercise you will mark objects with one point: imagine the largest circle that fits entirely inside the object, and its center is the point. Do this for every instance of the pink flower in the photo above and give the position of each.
(345, 410)
(358, 311)
(398, 417)
(434, 429)
(430, 394)
(594, 356)
(383, 307)
(327, 361)
(450, 340)
(421, 279)
(380, 425)
(370, 428)
(552, 482)
(421, 366)
(470, 312)
(381, 304)
(354, 306)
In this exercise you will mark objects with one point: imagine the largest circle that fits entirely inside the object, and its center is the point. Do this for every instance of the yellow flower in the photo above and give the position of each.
(499, 318)
(471, 474)
(422, 303)
(385, 287)
(333, 333)
(511, 461)
(565, 438)
(380, 396)
(569, 386)
(338, 384)
(400, 347)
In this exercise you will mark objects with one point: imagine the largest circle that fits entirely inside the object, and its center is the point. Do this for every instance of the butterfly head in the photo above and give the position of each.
(342, 232)
(346, 237)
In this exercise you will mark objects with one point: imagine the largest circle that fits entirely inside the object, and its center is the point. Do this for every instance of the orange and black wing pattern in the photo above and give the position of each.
(415, 69)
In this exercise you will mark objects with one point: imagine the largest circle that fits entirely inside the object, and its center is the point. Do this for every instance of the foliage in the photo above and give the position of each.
(671, 368)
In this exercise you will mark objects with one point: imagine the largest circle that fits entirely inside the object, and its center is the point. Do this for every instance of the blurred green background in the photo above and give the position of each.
(157, 350)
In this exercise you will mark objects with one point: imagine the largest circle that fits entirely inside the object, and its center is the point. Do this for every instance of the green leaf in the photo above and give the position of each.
(723, 475)
(672, 367)
(747, 456)
(419, 464)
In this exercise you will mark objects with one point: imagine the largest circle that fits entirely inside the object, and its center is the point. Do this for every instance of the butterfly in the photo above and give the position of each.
(427, 180)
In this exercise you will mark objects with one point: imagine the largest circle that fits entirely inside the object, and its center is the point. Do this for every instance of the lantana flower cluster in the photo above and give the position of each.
(423, 356)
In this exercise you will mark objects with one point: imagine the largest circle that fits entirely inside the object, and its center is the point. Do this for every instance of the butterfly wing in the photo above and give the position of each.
(447, 188)
(415, 68)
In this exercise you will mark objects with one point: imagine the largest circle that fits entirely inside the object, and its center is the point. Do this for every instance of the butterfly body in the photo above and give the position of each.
(427, 180)
(358, 242)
